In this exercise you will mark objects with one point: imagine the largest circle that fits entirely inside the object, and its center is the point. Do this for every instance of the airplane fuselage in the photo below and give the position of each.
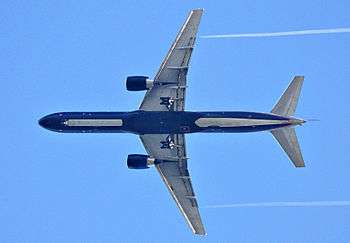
(154, 122)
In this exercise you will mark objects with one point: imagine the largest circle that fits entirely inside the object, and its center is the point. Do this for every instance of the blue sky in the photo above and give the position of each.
(75, 56)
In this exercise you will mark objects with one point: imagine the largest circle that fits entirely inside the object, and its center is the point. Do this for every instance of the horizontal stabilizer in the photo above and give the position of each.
(288, 140)
(287, 104)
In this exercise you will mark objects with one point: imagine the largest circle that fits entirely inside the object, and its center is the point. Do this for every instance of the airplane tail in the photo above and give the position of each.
(286, 136)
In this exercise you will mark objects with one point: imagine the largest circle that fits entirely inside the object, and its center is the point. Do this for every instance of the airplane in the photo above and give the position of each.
(162, 122)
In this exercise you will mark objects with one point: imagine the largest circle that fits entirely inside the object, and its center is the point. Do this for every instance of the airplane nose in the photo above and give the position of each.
(44, 122)
(50, 122)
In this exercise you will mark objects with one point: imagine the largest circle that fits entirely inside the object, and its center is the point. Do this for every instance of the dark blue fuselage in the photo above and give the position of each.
(154, 122)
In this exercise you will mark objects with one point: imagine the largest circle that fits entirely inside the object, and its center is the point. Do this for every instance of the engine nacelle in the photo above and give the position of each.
(139, 161)
(138, 83)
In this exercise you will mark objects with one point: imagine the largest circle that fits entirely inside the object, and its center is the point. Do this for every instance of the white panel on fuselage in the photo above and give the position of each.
(235, 122)
(94, 122)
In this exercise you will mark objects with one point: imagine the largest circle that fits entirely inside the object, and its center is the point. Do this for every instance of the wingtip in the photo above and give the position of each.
(299, 77)
(198, 10)
(202, 234)
(300, 166)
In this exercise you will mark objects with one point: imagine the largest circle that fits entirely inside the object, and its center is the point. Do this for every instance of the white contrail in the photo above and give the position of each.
(284, 33)
(284, 204)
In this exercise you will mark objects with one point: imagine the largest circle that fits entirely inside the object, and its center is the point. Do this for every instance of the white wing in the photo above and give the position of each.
(170, 81)
(175, 175)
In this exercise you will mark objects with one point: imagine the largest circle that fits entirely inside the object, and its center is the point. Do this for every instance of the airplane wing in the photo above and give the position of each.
(168, 91)
(175, 175)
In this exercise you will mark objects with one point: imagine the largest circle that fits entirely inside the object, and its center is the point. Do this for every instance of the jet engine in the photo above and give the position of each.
(138, 83)
(139, 161)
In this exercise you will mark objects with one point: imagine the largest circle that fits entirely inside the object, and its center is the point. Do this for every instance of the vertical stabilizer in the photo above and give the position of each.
(288, 140)
(287, 104)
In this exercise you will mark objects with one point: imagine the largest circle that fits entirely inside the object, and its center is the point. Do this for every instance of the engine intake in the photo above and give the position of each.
(139, 161)
(138, 83)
